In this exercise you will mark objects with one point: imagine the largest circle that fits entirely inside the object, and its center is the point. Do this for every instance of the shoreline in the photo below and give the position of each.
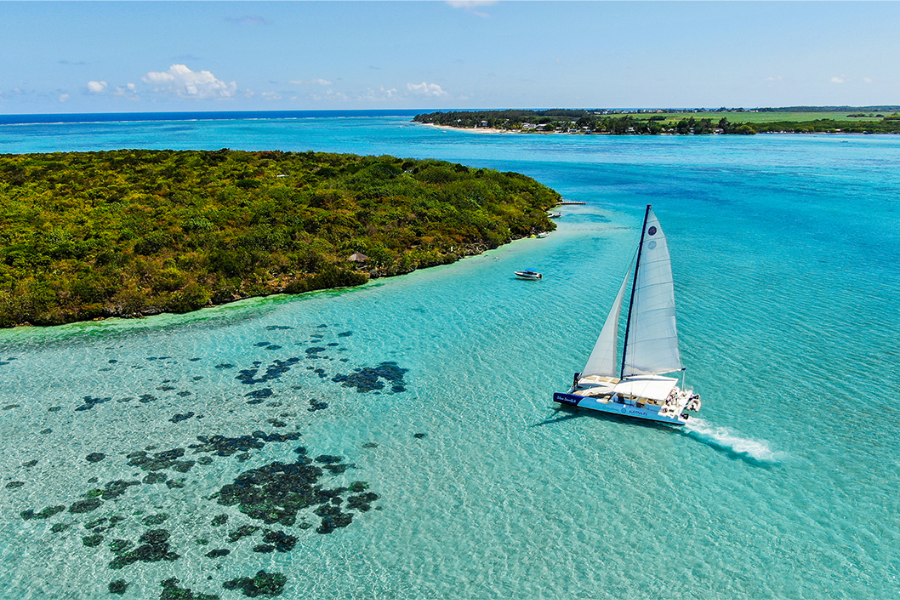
(490, 130)
(273, 295)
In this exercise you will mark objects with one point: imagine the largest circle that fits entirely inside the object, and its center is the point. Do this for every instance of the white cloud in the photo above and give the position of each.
(773, 79)
(867, 79)
(380, 94)
(426, 89)
(271, 96)
(840, 79)
(185, 83)
(310, 82)
(129, 91)
(63, 97)
(96, 87)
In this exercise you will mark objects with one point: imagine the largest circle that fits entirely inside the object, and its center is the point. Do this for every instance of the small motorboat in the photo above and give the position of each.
(529, 274)
(554, 215)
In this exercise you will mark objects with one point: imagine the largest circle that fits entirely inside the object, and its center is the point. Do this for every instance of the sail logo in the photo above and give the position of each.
(652, 231)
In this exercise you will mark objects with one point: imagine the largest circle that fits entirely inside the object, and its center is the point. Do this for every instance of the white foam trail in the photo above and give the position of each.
(726, 439)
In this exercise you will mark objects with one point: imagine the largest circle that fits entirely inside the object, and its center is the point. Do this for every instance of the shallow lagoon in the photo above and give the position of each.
(434, 390)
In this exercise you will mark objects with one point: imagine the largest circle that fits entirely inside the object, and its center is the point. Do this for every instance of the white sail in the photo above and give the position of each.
(652, 344)
(603, 360)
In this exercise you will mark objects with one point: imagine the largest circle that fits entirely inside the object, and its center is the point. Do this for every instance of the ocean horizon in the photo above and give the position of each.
(421, 405)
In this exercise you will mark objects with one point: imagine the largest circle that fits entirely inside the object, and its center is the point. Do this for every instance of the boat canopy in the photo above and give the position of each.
(652, 388)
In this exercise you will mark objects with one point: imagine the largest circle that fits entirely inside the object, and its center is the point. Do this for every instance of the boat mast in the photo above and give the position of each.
(637, 265)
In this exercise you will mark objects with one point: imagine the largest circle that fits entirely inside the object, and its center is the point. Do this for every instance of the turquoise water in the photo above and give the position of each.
(785, 254)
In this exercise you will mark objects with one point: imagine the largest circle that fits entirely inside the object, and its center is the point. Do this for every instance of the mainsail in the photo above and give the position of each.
(651, 345)
(603, 360)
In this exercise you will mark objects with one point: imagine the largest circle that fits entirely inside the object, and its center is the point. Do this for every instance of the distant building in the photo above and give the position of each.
(358, 257)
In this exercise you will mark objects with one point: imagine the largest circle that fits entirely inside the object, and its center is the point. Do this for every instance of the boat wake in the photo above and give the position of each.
(756, 451)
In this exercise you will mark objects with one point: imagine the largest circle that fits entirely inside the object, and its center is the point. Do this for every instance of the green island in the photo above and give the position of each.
(125, 233)
(798, 119)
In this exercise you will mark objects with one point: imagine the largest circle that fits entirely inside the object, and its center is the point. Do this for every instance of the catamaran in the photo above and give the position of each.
(636, 387)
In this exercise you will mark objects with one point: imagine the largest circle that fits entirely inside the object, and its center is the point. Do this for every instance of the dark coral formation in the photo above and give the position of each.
(276, 492)
(90, 402)
(171, 591)
(167, 459)
(178, 418)
(151, 520)
(257, 396)
(83, 506)
(45, 513)
(263, 584)
(280, 540)
(154, 547)
(273, 493)
(369, 379)
(152, 478)
(362, 502)
(273, 371)
(118, 586)
(242, 532)
(315, 405)
(120, 546)
(226, 446)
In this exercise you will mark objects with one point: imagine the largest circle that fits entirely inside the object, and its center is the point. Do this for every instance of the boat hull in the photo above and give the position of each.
(616, 408)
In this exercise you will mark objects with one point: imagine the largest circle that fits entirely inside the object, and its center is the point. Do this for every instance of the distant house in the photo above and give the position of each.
(358, 257)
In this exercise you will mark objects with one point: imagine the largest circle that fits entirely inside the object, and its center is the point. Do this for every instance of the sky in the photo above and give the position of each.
(96, 57)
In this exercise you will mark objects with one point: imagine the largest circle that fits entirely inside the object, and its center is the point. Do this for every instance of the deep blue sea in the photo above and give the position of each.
(431, 392)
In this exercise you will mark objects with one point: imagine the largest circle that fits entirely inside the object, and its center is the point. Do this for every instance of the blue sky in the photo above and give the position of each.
(71, 57)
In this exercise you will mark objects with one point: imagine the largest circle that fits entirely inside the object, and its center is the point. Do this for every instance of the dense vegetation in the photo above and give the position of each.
(656, 122)
(130, 232)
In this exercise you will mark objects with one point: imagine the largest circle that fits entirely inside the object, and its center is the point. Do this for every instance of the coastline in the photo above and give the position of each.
(469, 129)
(275, 291)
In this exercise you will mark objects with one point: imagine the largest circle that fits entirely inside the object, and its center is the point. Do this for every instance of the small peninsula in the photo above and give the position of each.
(697, 121)
(87, 235)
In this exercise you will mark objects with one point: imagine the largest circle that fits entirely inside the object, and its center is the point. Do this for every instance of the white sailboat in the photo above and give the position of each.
(636, 387)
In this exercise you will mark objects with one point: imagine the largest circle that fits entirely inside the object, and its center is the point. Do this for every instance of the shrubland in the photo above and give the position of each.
(133, 232)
